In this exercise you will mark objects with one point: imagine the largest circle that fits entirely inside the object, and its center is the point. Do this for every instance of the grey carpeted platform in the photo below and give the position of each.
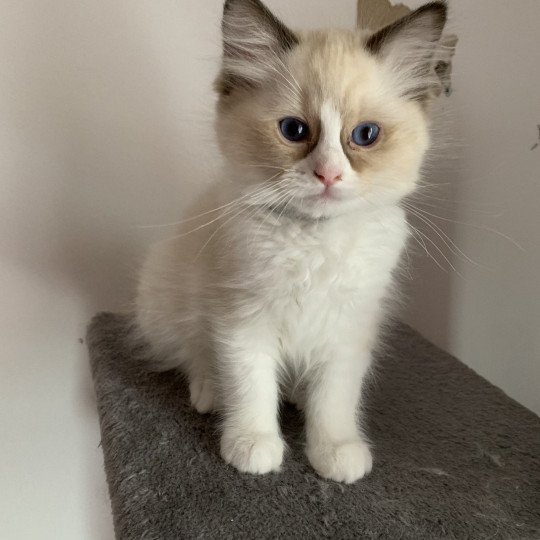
(454, 456)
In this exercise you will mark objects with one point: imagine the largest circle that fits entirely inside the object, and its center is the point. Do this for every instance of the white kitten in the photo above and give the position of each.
(280, 293)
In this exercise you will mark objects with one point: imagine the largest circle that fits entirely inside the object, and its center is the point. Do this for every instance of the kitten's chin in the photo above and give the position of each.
(326, 206)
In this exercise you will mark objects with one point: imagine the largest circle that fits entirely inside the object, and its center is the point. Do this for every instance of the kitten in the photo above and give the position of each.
(280, 293)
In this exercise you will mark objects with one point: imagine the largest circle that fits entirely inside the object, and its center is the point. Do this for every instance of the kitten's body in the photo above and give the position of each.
(284, 293)
(302, 283)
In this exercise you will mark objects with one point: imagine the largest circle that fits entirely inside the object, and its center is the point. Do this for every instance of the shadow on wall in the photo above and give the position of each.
(106, 127)
(127, 151)
(430, 261)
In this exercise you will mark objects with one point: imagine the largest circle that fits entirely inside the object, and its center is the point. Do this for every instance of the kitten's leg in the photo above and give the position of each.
(201, 380)
(201, 391)
(251, 439)
(335, 446)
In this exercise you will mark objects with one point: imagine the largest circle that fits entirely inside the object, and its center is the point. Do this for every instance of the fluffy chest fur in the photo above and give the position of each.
(312, 281)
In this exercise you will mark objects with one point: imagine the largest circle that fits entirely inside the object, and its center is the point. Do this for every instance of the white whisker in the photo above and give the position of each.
(448, 242)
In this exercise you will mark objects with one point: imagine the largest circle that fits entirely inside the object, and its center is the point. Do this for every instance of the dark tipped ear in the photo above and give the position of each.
(408, 46)
(253, 40)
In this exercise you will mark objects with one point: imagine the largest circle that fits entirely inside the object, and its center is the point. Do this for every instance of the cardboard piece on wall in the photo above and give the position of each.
(375, 14)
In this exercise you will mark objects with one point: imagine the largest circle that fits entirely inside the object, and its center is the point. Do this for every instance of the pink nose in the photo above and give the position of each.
(328, 174)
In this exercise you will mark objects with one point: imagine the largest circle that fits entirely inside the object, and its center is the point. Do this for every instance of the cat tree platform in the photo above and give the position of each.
(454, 457)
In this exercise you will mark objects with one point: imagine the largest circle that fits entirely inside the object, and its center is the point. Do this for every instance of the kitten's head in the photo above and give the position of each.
(329, 121)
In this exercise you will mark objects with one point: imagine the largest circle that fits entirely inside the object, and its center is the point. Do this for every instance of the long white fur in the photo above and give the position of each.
(258, 303)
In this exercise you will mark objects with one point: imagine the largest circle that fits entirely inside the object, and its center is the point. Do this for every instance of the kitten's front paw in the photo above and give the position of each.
(255, 453)
(345, 462)
(201, 394)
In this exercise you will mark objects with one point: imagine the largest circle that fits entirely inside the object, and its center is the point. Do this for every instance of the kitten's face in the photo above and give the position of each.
(329, 126)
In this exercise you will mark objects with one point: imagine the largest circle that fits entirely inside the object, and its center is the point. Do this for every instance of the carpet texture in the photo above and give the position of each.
(454, 456)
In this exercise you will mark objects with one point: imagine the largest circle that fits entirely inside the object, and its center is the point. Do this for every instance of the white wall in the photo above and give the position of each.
(487, 312)
(94, 141)
(105, 123)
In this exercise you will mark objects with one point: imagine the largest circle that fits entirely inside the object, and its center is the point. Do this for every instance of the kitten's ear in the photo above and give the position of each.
(253, 41)
(408, 45)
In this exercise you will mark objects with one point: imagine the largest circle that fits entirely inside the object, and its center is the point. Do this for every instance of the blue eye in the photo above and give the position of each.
(293, 129)
(365, 134)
